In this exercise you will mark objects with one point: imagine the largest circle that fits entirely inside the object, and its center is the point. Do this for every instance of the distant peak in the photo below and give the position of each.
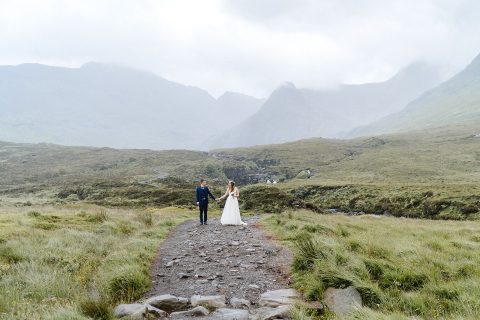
(289, 84)
(474, 67)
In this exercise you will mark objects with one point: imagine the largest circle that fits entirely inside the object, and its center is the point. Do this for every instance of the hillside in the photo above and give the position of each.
(108, 105)
(413, 174)
(452, 102)
(292, 113)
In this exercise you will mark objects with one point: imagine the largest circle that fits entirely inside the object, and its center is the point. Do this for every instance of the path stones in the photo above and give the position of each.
(195, 312)
(230, 314)
(208, 301)
(278, 297)
(155, 313)
(239, 303)
(129, 310)
(168, 302)
(267, 313)
(342, 301)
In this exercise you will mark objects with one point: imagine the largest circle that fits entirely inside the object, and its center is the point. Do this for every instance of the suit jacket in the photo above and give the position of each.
(202, 194)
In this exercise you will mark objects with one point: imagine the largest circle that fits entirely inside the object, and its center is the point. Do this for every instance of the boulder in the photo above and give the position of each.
(213, 302)
(268, 313)
(154, 313)
(239, 303)
(195, 312)
(129, 310)
(168, 302)
(342, 301)
(278, 297)
(230, 314)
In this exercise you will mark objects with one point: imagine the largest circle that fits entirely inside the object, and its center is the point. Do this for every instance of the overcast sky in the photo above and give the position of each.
(249, 46)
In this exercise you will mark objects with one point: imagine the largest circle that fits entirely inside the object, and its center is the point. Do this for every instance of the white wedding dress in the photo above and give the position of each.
(231, 211)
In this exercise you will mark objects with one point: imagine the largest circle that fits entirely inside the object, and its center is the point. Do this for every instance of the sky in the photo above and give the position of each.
(247, 46)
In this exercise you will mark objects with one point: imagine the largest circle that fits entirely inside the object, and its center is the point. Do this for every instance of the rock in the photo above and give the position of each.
(239, 303)
(182, 275)
(208, 301)
(195, 312)
(278, 297)
(203, 281)
(342, 301)
(155, 312)
(168, 302)
(129, 310)
(267, 313)
(230, 314)
(253, 286)
(234, 243)
(171, 263)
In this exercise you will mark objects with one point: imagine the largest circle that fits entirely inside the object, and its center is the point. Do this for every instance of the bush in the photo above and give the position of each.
(96, 308)
(9, 255)
(34, 214)
(265, 199)
(128, 285)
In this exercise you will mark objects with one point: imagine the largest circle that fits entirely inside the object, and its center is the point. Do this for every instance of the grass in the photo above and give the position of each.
(402, 267)
(77, 261)
(432, 174)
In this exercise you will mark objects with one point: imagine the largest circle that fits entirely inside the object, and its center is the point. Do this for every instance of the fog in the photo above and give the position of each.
(246, 46)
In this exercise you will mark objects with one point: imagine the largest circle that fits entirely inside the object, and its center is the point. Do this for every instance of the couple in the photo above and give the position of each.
(231, 211)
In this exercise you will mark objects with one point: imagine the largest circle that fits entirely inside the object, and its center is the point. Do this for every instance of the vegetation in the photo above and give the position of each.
(77, 261)
(401, 267)
(431, 174)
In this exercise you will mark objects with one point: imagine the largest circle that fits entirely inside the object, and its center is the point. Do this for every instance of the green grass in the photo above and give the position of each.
(77, 261)
(401, 267)
(434, 174)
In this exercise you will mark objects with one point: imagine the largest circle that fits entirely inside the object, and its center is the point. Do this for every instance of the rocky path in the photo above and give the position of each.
(238, 262)
(217, 272)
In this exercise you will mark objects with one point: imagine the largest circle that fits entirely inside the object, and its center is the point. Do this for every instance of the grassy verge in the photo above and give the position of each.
(76, 262)
(402, 267)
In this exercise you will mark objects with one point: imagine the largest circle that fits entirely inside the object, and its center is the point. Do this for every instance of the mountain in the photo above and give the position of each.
(453, 102)
(109, 105)
(238, 103)
(291, 113)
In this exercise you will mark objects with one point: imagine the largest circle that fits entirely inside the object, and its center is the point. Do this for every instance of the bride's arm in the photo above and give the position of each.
(224, 196)
(237, 193)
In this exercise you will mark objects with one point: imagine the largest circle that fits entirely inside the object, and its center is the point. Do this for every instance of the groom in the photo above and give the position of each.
(202, 193)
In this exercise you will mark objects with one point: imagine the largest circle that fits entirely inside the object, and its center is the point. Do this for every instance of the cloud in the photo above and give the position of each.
(247, 46)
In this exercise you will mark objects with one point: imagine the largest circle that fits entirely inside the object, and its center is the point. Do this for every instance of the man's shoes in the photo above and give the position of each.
(205, 223)
(201, 223)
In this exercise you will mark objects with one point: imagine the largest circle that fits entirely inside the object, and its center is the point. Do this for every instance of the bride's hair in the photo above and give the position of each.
(231, 186)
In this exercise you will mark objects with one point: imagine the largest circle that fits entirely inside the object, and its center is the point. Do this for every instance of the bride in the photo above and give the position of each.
(231, 211)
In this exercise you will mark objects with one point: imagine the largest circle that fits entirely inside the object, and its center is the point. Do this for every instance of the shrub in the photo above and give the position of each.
(125, 227)
(9, 255)
(34, 214)
(265, 199)
(128, 285)
(96, 308)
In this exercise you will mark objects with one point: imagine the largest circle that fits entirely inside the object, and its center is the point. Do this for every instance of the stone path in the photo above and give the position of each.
(238, 262)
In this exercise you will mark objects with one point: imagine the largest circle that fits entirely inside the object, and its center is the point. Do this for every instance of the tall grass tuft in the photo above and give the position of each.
(96, 308)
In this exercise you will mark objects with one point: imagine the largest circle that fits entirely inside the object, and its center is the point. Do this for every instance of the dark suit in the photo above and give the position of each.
(202, 194)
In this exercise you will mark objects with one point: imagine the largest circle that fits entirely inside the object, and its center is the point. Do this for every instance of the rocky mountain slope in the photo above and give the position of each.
(453, 102)
(108, 105)
(291, 113)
